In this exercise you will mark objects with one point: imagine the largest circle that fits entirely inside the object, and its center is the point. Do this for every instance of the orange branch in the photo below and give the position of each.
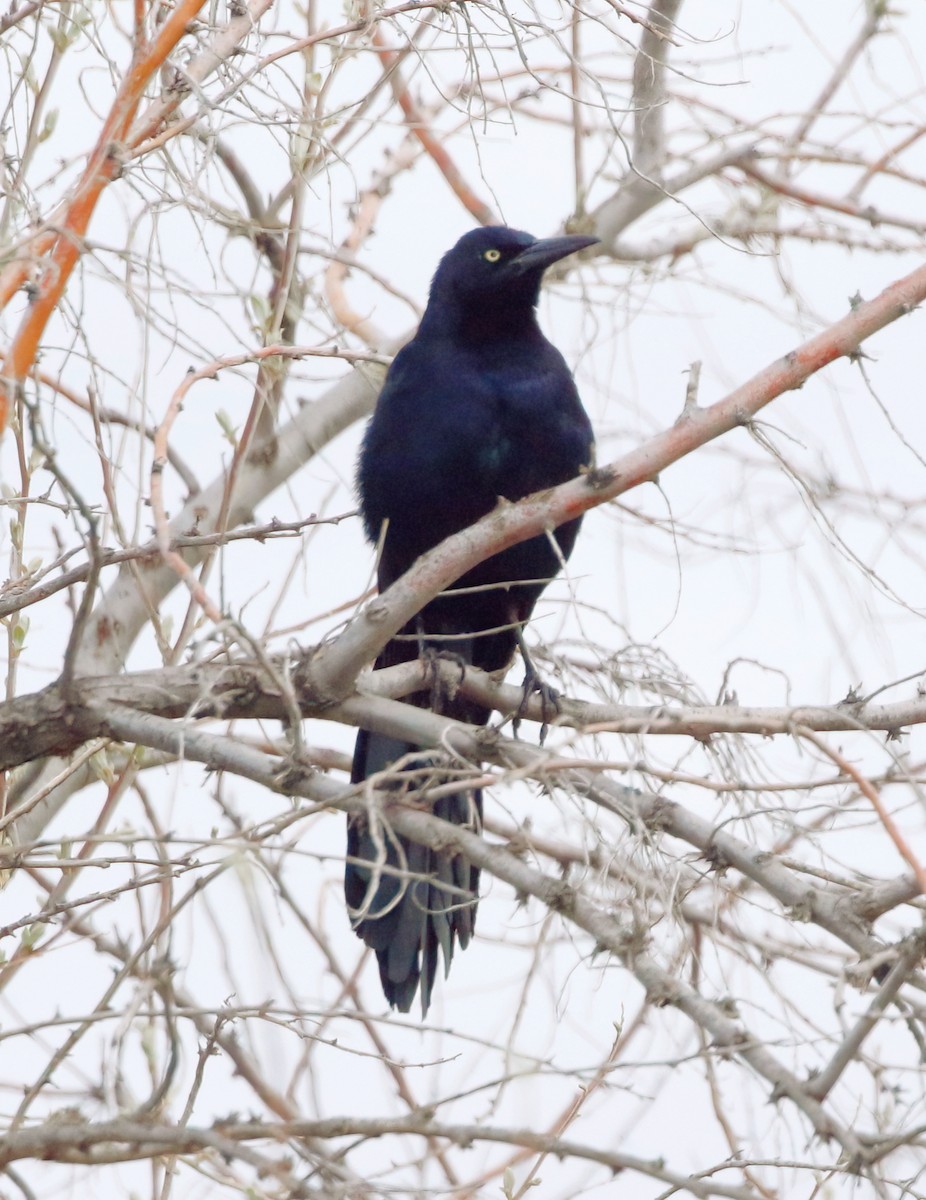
(63, 247)
(817, 200)
(868, 789)
(141, 138)
(337, 664)
(416, 122)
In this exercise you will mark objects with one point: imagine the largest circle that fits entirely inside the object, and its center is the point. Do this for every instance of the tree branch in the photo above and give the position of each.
(336, 666)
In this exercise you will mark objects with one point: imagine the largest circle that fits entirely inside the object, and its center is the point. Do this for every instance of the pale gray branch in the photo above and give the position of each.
(623, 941)
(649, 90)
(56, 722)
(125, 1140)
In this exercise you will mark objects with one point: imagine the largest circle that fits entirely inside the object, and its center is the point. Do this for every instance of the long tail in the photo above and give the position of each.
(424, 899)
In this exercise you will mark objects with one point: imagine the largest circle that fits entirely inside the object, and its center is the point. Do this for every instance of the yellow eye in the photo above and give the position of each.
(492, 255)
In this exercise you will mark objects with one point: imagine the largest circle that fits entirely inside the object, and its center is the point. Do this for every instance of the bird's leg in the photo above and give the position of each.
(549, 697)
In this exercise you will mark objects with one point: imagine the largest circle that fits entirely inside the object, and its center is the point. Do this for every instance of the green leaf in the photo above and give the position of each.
(227, 427)
(48, 126)
(20, 629)
(102, 767)
(32, 934)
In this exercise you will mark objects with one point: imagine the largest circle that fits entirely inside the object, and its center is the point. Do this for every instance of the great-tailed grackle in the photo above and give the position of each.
(479, 405)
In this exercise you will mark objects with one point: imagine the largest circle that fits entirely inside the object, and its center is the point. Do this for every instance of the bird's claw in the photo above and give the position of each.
(549, 702)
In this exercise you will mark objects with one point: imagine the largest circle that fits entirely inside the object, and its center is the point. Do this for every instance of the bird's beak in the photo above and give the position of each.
(546, 251)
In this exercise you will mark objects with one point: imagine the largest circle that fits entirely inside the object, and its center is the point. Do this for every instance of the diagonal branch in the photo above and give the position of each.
(337, 665)
(103, 166)
(240, 26)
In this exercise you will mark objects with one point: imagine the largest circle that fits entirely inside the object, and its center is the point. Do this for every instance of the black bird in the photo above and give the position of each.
(478, 405)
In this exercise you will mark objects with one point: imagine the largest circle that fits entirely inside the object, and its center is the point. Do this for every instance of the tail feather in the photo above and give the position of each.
(416, 917)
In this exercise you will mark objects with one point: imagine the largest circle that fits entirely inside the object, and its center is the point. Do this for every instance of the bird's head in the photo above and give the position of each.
(494, 269)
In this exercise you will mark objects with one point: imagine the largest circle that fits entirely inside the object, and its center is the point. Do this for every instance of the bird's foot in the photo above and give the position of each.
(436, 683)
(549, 701)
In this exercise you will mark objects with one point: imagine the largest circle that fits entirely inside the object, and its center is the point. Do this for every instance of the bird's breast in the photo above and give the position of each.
(457, 429)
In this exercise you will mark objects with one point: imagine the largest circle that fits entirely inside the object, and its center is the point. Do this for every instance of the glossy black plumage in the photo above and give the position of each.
(479, 405)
